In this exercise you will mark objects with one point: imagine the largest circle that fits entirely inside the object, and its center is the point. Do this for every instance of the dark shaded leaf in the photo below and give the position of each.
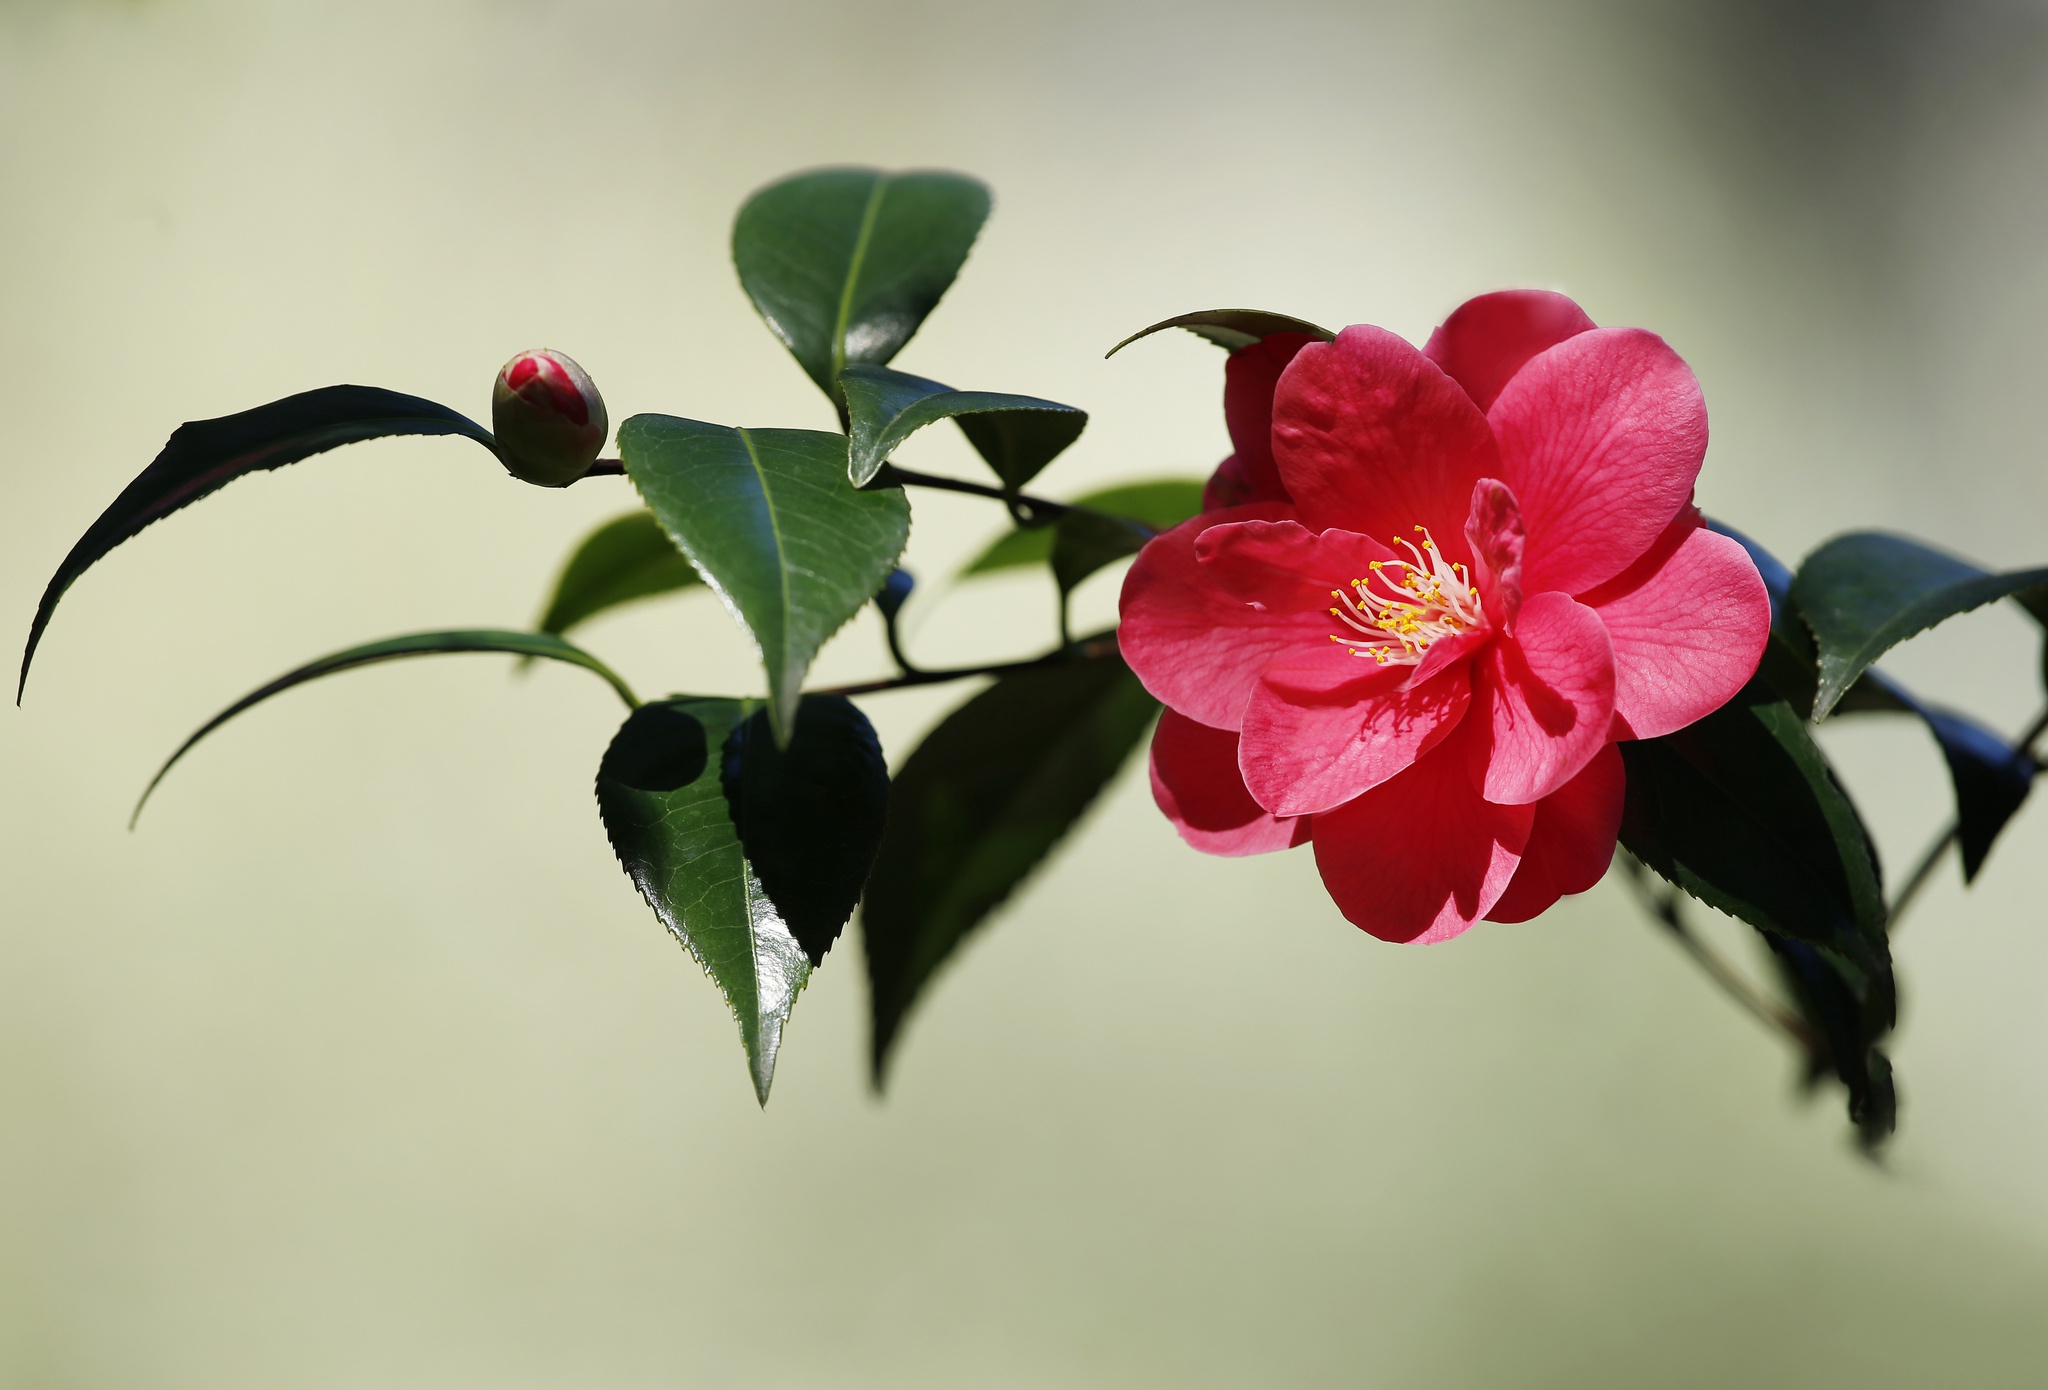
(1991, 779)
(771, 522)
(204, 456)
(1158, 505)
(2034, 598)
(1847, 1014)
(1788, 660)
(1865, 592)
(980, 803)
(1084, 543)
(522, 644)
(1017, 435)
(844, 264)
(1742, 811)
(1230, 329)
(661, 795)
(809, 817)
(629, 557)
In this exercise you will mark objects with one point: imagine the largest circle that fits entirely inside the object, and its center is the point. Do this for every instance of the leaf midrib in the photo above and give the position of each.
(781, 564)
(868, 217)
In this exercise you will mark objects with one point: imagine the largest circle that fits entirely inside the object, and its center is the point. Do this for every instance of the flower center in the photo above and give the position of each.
(1402, 608)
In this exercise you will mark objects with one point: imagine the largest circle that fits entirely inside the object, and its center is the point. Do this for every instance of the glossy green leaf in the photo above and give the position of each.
(661, 795)
(844, 264)
(1990, 778)
(1742, 810)
(628, 558)
(980, 803)
(1159, 505)
(1229, 329)
(522, 644)
(204, 456)
(770, 520)
(1865, 592)
(1017, 435)
(810, 816)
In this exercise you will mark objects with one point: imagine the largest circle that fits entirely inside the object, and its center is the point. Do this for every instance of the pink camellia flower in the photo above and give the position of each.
(1432, 590)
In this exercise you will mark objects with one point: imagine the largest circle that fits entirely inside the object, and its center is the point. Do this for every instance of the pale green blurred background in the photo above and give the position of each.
(360, 1064)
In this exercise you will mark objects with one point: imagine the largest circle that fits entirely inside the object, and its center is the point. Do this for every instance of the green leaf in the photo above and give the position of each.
(629, 557)
(770, 520)
(809, 817)
(204, 456)
(521, 644)
(984, 798)
(1848, 1012)
(661, 795)
(844, 264)
(1159, 505)
(1083, 543)
(1991, 779)
(1230, 329)
(1017, 435)
(1865, 592)
(1742, 810)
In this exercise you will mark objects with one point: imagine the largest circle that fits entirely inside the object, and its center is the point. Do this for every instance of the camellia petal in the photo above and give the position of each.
(1286, 569)
(1486, 340)
(1371, 436)
(1228, 486)
(1689, 623)
(1249, 377)
(1545, 699)
(1571, 842)
(1421, 857)
(1601, 438)
(1498, 538)
(1313, 741)
(1189, 640)
(1197, 785)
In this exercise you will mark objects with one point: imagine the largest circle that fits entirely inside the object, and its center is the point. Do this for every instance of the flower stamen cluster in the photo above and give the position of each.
(1430, 599)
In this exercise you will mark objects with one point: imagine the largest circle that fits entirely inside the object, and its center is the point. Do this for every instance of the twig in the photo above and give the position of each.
(1090, 649)
(1026, 510)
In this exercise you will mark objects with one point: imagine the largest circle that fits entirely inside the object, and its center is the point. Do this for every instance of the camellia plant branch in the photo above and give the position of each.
(1448, 615)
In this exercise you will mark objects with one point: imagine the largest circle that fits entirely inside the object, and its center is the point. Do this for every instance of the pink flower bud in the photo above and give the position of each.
(548, 418)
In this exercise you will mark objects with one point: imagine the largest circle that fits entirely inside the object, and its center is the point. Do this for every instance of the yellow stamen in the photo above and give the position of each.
(1430, 600)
